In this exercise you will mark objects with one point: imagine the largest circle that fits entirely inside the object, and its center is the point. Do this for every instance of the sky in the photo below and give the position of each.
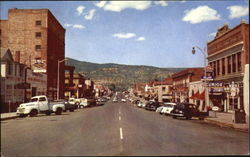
(154, 33)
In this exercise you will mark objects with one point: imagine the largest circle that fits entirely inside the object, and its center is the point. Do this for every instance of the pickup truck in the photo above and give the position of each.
(40, 104)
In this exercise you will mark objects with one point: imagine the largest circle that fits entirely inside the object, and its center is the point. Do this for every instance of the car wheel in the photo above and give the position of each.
(23, 115)
(33, 113)
(48, 113)
(58, 111)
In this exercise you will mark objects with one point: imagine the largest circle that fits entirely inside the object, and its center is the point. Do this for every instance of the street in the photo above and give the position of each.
(117, 129)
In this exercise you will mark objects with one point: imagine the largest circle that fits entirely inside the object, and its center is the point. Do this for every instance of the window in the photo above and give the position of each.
(214, 67)
(38, 47)
(239, 61)
(9, 68)
(38, 34)
(234, 63)
(163, 89)
(229, 64)
(223, 66)
(42, 99)
(218, 67)
(38, 23)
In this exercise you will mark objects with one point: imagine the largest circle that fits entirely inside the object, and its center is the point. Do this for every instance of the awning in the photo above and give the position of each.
(198, 96)
(195, 96)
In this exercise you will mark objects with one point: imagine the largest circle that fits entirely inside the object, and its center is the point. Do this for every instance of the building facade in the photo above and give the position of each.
(18, 82)
(38, 39)
(228, 54)
(181, 83)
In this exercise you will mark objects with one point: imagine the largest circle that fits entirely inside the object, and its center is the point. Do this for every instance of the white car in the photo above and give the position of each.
(167, 108)
(139, 104)
(123, 100)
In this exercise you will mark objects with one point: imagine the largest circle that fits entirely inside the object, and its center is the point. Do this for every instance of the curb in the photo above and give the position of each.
(7, 118)
(226, 125)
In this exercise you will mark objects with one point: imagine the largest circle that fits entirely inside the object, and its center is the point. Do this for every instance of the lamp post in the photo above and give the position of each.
(58, 76)
(205, 73)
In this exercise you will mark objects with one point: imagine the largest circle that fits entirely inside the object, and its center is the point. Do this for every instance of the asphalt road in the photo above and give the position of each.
(117, 129)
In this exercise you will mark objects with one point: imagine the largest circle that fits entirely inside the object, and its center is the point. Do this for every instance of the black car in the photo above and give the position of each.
(70, 107)
(186, 110)
(152, 105)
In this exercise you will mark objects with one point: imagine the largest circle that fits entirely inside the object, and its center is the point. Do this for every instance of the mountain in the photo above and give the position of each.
(119, 75)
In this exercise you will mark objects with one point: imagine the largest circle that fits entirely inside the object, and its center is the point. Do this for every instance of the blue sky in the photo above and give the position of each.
(155, 33)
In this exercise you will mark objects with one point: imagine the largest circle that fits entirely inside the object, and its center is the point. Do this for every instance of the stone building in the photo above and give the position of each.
(228, 53)
(38, 39)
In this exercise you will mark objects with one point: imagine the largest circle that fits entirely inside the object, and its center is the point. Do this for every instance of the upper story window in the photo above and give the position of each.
(229, 64)
(234, 62)
(38, 47)
(239, 61)
(38, 23)
(38, 34)
(9, 68)
(218, 67)
(223, 66)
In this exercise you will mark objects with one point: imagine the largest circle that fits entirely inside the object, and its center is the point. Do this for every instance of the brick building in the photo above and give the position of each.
(37, 38)
(181, 83)
(228, 53)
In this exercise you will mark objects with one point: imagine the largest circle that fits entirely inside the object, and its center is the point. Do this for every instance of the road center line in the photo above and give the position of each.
(119, 117)
(121, 135)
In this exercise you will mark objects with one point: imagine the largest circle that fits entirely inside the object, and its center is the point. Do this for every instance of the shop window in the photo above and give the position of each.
(38, 23)
(223, 66)
(234, 63)
(38, 47)
(218, 67)
(38, 34)
(239, 61)
(229, 64)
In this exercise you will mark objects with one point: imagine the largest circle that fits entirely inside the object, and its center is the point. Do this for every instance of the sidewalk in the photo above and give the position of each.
(11, 115)
(226, 120)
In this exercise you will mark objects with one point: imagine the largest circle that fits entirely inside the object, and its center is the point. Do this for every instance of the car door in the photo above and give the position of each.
(43, 104)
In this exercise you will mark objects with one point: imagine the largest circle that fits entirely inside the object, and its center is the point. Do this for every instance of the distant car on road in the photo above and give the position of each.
(123, 100)
(69, 107)
(187, 110)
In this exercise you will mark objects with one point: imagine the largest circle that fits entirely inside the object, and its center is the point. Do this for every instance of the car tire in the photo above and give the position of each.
(23, 115)
(33, 113)
(48, 113)
(58, 111)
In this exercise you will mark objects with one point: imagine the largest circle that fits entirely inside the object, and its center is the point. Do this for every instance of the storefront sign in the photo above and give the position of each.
(215, 87)
(215, 108)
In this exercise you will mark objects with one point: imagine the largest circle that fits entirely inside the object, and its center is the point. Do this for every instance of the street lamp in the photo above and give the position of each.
(205, 73)
(58, 76)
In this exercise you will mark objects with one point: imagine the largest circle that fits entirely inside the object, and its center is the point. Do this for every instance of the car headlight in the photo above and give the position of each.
(180, 112)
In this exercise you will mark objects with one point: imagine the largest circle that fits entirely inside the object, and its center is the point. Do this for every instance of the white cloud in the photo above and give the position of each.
(200, 14)
(80, 9)
(238, 11)
(90, 14)
(140, 39)
(212, 34)
(77, 26)
(100, 4)
(161, 3)
(124, 35)
(67, 25)
(118, 6)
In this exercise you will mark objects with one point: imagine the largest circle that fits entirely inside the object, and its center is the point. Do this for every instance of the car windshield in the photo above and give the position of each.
(33, 99)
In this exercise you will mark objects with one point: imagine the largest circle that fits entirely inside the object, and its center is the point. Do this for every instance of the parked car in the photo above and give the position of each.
(40, 104)
(139, 104)
(115, 100)
(69, 107)
(152, 105)
(167, 108)
(186, 110)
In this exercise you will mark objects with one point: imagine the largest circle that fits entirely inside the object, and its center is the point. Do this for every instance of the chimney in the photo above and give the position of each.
(17, 56)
